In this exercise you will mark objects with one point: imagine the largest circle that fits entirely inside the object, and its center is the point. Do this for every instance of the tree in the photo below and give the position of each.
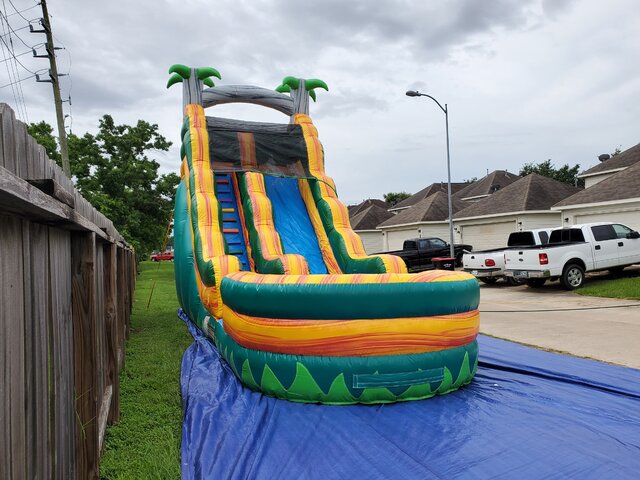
(43, 133)
(113, 172)
(617, 151)
(393, 198)
(565, 174)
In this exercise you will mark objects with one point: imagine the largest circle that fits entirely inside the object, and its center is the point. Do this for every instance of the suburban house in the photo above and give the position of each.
(488, 185)
(610, 165)
(427, 218)
(426, 192)
(523, 205)
(614, 198)
(486, 211)
(365, 217)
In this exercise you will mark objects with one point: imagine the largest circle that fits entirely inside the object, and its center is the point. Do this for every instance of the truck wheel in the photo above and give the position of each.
(536, 282)
(488, 280)
(514, 282)
(572, 276)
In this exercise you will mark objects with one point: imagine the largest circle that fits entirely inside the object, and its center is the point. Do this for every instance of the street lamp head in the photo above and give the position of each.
(412, 93)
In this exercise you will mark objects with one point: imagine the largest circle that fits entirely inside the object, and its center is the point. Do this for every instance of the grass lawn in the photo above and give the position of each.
(626, 287)
(146, 441)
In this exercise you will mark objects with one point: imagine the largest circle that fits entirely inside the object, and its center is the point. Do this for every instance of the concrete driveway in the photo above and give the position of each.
(584, 326)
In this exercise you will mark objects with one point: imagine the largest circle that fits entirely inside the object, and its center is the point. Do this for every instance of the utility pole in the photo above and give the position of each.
(62, 135)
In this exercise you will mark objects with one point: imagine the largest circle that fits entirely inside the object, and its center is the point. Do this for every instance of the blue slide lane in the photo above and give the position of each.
(292, 221)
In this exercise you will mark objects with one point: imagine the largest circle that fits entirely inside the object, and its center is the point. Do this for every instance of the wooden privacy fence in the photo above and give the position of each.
(66, 284)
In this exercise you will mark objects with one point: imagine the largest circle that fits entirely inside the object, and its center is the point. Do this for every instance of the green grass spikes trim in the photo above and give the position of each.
(338, 392)
(465, 372)
(415, 392)
(304, 386)
(247, 376)
(377, 395)
(447, 383)
(271, 385)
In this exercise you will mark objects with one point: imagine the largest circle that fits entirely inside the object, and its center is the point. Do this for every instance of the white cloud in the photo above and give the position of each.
(524, 80)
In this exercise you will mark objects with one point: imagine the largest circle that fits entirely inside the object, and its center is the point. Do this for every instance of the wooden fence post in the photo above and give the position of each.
(112, 328)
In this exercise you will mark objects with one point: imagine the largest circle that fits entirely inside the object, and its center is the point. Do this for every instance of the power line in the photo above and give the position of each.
(15, 57)
(19, 80)
(20, 12)
(24, 53)
(9, 25)
(12, 68)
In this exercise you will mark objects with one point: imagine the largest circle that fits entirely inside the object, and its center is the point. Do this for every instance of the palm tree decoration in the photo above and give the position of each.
(192, 80)
(300, 98)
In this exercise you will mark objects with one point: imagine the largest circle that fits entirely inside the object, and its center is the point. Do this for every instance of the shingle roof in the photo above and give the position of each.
(427, 191)
(370, 217)
(627, 158)
(620, 186)
(533, 192)
(487, 185)
(431, 209)
(353, 209)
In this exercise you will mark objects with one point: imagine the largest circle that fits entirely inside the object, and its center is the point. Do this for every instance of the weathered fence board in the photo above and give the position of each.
(63, 420)
(36, 260)
(66, 286)
(12, 314)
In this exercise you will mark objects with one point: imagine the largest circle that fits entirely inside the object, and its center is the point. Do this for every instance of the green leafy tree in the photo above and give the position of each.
(43, 133)
(393, 198)
(112, 170)
(617, 151)
(565, 174)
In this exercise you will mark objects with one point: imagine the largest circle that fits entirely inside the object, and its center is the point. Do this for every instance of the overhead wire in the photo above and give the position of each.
(20, 12)
(19, 80)
(13, 70)
(9, 25)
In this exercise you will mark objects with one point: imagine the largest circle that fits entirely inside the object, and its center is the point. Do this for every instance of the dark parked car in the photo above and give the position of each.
(418, 253)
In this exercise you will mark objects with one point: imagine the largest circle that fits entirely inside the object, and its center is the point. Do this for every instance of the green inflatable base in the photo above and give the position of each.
(348, 380)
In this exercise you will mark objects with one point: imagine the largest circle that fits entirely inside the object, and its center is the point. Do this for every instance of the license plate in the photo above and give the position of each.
(521, 274)
(474, 272)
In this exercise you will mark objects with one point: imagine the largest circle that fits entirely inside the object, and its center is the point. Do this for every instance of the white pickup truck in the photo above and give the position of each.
(573, 251)
(488, 265)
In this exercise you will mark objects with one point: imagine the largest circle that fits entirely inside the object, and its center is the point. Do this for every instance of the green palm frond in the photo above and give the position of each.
(175, 78)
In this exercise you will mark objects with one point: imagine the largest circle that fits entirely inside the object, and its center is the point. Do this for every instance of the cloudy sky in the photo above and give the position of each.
(525, 80)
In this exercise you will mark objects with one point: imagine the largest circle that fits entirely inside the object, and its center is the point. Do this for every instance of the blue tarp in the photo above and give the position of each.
(527, 414)
(292, 221)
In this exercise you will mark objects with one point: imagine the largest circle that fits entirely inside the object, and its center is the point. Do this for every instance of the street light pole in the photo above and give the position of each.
(445, 109)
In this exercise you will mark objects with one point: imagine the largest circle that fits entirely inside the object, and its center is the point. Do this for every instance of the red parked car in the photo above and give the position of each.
(158, 257)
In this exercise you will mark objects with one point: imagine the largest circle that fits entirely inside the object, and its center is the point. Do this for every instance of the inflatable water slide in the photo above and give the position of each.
(268, 267)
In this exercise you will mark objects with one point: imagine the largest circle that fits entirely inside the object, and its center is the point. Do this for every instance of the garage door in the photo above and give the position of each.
(490, 235)
(396, 238)
(372, 242)
(630, 219)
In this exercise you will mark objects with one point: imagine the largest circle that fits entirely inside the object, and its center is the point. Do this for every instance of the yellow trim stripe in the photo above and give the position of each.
(323, 242)
(360, 337)
(208, 220)
(354, 278)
